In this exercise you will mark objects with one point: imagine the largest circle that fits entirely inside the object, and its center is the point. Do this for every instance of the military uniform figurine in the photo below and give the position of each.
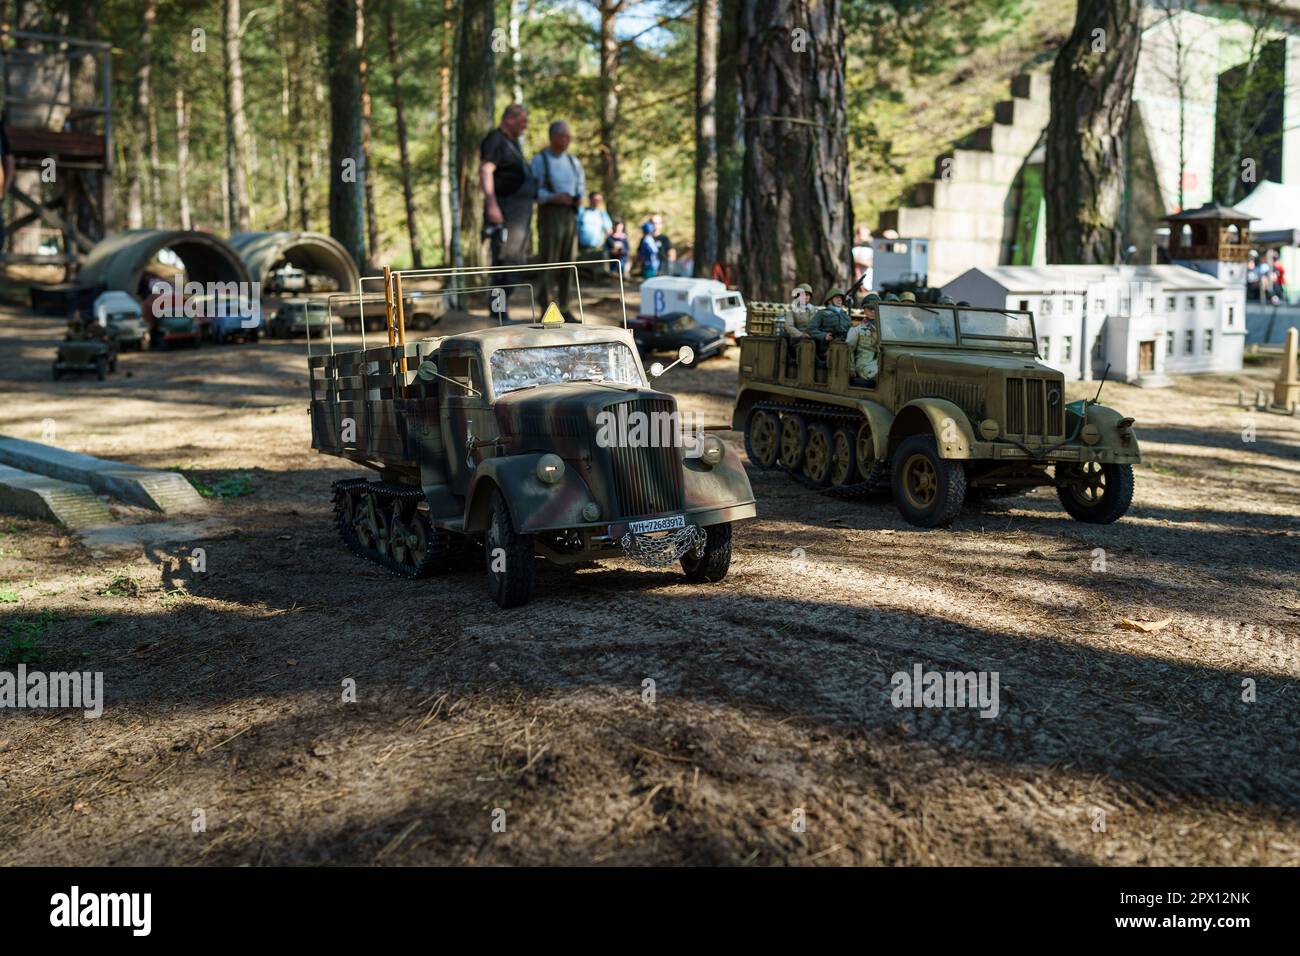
(863, 340)
(801, 312)
(832, 319)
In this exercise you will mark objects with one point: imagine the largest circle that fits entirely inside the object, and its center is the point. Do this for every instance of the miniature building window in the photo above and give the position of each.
(1045, 348)
(1024, 305)
(1151, 303)
(1047, 306)
(1171, 303)
(1234, 234)
(1123, 305)
(1069, 305)
(1208, 345)
(1169, 343)
(1067, 348)
(1191, 302)
(1185, 235)
(1232, 315)
(1189, 345)
(1209, 301)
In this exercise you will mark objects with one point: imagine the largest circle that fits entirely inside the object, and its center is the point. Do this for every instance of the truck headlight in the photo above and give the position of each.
(713, 450)
(550, 469)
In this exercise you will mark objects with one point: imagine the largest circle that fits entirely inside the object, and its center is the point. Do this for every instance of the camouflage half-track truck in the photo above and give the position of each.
(960, 406)
(522, 440)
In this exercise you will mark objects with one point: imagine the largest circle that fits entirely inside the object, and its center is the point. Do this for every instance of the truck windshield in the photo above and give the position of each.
(917, 324)
(996, 330)
(513, 369)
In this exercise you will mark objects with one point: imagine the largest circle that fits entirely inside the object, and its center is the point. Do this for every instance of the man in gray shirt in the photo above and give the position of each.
(561, 186)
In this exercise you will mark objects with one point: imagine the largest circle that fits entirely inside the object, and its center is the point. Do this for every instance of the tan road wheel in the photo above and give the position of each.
(928, 489)
(794, 437)
(817, 455)
(844, 458)
(371, 528)
(762, 438)
(408, 540)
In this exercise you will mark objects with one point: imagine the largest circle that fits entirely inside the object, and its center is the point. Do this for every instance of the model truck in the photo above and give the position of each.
(709, 302)
(960, 407)
(534, 441)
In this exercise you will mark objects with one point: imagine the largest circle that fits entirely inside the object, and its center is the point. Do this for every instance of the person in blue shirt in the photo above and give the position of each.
(594, 224)
(648, 251)
(561, 186)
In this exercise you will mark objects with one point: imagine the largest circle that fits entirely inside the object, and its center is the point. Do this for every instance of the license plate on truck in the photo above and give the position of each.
(650, 525)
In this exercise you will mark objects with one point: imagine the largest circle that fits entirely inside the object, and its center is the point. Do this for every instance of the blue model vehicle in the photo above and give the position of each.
(230, 320)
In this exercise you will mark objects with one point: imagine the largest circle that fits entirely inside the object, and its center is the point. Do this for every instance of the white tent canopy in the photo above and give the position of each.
(1275, 206)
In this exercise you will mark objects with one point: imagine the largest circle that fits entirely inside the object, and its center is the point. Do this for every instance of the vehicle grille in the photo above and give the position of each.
(646, 481)
(968, 396)
(1035, 407)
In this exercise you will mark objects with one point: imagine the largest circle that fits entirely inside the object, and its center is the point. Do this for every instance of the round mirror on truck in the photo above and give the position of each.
(686, 355)
(656, 369)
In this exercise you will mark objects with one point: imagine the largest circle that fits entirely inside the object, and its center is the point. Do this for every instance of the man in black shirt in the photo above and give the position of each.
(509, 192)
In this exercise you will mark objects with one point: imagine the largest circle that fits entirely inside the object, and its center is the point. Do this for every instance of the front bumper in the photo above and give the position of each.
(1046, 454)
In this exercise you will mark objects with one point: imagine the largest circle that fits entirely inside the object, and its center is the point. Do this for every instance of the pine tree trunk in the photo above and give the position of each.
(731, 138)
(607, 87)
(346, 171)
(706, 136)
(372, 224)
(143, 188)
(475, 85)
(237, 143)
(182, 155)
(446, 222)
(403, 147)
(301, 160)
(796, 215)
(1092, 93)
(145, 118)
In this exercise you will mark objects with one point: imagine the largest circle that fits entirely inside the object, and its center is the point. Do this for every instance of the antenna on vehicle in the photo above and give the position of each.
(1097, 397)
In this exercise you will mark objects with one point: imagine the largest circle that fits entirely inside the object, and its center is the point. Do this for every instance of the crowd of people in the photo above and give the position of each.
(1267, 277)
(571, 223)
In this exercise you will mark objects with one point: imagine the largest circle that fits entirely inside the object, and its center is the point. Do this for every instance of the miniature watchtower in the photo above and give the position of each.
(1213, 239)
(58, 116)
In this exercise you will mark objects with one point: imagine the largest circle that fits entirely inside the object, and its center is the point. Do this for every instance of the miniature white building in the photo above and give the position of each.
(1144, 321)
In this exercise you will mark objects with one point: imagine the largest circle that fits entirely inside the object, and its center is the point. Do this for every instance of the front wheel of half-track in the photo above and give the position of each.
(928, 490)
(511, 566)
(711, 566)
(1096, 493)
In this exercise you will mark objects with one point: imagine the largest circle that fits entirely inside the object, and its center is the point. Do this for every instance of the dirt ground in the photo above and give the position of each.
(225, 737)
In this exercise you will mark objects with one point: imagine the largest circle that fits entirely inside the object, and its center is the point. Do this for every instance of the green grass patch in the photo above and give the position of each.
(216, 485)
(20, 638)
(121, 586)
(8, 596)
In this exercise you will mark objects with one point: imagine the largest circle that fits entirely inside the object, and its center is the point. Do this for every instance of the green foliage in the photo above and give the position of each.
(218, 485)
(20, 637)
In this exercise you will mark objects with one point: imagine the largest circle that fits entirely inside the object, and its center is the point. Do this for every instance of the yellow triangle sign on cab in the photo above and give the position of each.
(552, 315)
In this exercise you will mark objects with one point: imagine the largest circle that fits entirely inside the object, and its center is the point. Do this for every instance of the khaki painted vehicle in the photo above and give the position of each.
(87, 347)
(961, 408)
(520, 441)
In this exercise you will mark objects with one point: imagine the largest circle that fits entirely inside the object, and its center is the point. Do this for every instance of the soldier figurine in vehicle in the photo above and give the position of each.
(532, 441)
(931, 402)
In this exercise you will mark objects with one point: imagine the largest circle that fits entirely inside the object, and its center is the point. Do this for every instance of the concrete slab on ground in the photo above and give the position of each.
(163, 491)
(68, 503)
